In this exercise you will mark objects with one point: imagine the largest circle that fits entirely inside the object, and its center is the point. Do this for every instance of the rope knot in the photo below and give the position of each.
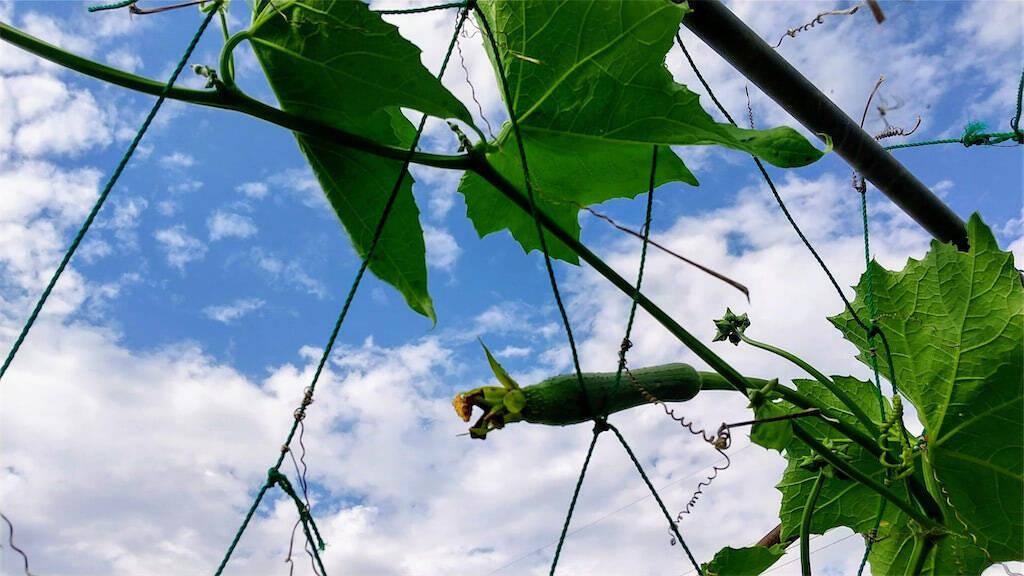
(623, 348)
(274, 477)
(873, 329)
(600, 425)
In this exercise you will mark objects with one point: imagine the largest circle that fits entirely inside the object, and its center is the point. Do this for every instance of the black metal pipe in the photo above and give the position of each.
(726, 34)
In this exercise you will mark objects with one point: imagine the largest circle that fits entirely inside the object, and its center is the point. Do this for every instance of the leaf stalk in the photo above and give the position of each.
(832, 387)
(805, 524)
(844, 467)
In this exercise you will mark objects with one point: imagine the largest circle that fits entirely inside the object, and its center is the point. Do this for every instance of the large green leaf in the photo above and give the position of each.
(592, 95)
(954, 553)
(955, 325)
(566, 173)
(342, 64)
(842, 502)
(743, 561)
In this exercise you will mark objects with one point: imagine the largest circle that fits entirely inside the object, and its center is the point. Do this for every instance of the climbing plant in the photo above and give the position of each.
(592, 117)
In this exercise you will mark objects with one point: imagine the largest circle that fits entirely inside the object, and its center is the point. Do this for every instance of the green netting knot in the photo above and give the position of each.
(873, 329)
(974, 134)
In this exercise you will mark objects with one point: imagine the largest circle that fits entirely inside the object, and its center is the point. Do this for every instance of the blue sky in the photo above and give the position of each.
(179, 343)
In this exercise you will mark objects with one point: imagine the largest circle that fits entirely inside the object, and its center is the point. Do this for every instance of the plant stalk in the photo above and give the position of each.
(864, 479)
(832, 387)
(728, 373)
(224, 98)
(923, 544)
(228, 98)
(805, 524)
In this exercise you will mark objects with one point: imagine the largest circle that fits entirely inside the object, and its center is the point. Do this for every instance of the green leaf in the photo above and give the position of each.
(342, 64)
(590, 107)
(499, 372)
(842, 502)
(955, 325)
(953, 554)
(773, 435)
(743, 561)
(566, 172)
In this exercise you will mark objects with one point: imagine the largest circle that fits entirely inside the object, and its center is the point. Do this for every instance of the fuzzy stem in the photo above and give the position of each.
(805, 524)
(832, 387)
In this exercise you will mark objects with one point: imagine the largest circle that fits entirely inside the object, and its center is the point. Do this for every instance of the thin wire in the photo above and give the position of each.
(626, 344)
(635, 234)
(871, 330)
(607, 515)
(344, 311)
(10, 542)
(829, 545)
(575, 495)
(775, 192)
(423, 9)
(983, 139)
(106, 192)
(654, 492)
(1015, 123)
(533, 205)
(472, 90)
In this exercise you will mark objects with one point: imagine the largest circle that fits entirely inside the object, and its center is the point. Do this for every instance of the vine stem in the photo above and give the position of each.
(224, 98)
(229, 98)
(805, 524)
(923, 544)
(844, 467)
(832, 387)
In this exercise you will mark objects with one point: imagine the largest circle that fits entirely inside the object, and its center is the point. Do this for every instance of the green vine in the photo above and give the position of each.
(820, 425)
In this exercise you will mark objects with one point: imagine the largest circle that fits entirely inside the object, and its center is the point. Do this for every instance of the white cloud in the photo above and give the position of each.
(433, 502)
(46, 117)
(304, 185)
(513, 352)
(124, 220)
(54, 32)
(480, 83)
(167, 207)
(94, 249)
(125, 60)
(287, 271)
(177, 161)
(35, 223)
(181, 441)
(255, 190)
(229, 313)
(230, 225)
(441, 188)
(442, 249)
(187, 185)
(179, 247)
